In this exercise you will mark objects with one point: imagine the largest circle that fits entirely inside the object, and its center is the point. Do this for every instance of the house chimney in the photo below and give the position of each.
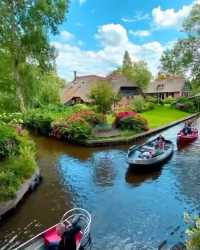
(75, 75)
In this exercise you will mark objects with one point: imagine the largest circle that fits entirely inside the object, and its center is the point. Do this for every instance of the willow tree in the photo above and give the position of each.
(25, 26)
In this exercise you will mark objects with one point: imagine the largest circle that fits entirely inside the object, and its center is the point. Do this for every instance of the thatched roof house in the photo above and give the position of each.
(78, 90)
(174, 86)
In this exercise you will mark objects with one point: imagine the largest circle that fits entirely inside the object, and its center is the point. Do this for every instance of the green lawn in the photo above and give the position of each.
(163, 115)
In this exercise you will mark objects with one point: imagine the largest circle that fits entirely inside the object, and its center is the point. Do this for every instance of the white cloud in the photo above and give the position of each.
(114, 41)
(67, 36)
(112, 34)
(140, 33)
(139, 16)
(170, 18)
(82, 1)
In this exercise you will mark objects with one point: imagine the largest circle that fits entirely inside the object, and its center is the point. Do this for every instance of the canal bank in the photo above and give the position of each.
(28, 186)
(128, 211)
(130, 139)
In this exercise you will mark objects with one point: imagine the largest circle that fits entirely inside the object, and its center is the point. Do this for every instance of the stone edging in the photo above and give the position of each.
(126, 140)
(28, 185)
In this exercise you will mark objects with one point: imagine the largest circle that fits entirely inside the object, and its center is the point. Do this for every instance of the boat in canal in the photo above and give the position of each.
(72, 218)
(141, 159)
(184, 139)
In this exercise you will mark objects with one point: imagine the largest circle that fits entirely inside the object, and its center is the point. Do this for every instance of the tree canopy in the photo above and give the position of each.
(184, 57)
(103, 96)
(25, 27)
(136, 72)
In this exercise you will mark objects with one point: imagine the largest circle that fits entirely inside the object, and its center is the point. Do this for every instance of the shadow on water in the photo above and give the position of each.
(129, 211)
(137, 179)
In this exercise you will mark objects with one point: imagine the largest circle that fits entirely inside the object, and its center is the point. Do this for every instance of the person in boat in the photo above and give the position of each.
(148, 154)
(68, 238)
(187, 129)
(160, 142)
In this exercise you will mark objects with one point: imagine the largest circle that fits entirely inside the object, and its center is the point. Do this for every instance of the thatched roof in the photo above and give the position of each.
(81, 87)
(171, 85)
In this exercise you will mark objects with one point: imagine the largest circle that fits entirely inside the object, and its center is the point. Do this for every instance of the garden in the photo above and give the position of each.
(82, 122)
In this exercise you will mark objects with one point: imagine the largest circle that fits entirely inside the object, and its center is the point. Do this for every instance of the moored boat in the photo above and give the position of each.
(139, 163)
(183, 139)
(72, 218)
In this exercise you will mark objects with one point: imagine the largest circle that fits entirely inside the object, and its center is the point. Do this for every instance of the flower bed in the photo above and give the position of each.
(78, 126)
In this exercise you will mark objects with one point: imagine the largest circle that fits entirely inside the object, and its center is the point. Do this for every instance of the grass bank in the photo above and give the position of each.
(162, 115)
(17, 160)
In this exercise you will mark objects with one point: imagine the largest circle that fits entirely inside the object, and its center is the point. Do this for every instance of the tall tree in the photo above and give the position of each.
(25, 26)
(126, 60)
(137, 72)
(103, 96)
(184, 57)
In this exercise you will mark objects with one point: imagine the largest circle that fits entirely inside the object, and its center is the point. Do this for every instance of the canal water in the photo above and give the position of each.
(129, 211)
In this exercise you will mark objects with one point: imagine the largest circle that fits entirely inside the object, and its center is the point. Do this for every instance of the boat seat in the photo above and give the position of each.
(51, 236)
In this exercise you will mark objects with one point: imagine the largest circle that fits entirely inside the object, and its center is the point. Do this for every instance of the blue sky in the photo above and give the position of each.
(96, 33)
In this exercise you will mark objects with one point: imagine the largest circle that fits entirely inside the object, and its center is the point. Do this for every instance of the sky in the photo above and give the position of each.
(96, 33)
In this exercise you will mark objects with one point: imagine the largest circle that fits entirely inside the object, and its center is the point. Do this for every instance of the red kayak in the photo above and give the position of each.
(183, 139)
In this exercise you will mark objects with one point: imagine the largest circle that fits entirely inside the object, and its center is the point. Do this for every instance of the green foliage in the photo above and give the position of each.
(139, 104)
(8, 141)
(135, 123)
(193, 232)
(40, 119)
(184, 56)
(137, 72)
(103, 96)
(79, 130)
(18, 162)
(186, 104)
(27, 57)
(169, 100)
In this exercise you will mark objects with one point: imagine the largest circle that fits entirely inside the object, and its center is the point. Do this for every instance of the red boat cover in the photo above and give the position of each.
(51, 236)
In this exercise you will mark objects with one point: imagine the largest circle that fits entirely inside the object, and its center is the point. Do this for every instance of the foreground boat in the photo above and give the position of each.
(76, 215)
(138, 163)
(183, 139)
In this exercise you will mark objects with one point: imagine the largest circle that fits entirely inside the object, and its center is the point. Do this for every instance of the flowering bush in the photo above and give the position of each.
(90, 116)
(71, 129)
(131, 120)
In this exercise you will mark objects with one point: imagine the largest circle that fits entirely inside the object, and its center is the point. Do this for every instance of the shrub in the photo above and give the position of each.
(169, 100)
(131, 121)
(151, 99)
(8, 141)
(78, 130)
(80, 122)
(185, 104)
(13, 118)
(90, 116)
(193, 233)
(17, 153)
(139, 104)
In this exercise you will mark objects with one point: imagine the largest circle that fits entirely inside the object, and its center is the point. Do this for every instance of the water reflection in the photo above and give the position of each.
(135, 180)
(104, 171)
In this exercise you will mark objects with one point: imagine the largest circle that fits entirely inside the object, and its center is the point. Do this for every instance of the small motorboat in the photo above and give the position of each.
(183, 139)
(139, 163)
(73, 217)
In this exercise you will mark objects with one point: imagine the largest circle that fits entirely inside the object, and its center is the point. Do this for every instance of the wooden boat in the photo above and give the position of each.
(76, 215)
(183, 139)
(138, 163)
